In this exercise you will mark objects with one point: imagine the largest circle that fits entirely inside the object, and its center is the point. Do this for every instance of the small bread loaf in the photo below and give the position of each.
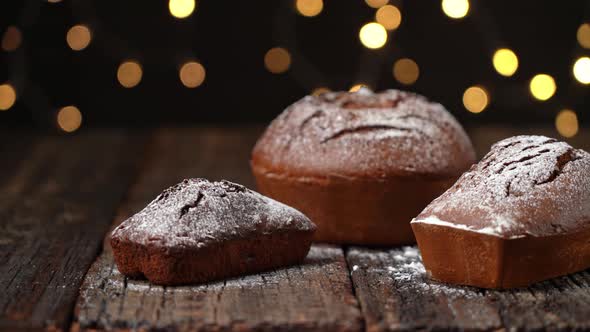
(197, 231)
(361, 165)
(519, 216)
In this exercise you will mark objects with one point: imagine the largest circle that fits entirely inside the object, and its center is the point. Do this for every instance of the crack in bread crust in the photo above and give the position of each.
(368, 129)
(386, 134)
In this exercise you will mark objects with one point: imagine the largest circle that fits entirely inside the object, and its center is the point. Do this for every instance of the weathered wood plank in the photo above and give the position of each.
(54, 211)
(316, 296)
(396, 295)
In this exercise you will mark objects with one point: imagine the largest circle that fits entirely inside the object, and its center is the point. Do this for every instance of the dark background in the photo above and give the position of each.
(230, 39)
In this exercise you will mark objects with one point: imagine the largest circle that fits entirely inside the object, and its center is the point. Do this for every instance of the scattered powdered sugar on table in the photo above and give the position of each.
(407, 270)
(496, 229)
(408, 264)
(404, 266)
(526, 185)
(197, 212)
(347, 133)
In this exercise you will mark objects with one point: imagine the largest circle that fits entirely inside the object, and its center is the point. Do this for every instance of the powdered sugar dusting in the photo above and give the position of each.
(526, 185)
(495, 230)
(351, 134)
(405, 268)
(197, 212)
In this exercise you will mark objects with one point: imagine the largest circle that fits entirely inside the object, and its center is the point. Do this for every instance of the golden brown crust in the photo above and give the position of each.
(361, 211)
(464, 257)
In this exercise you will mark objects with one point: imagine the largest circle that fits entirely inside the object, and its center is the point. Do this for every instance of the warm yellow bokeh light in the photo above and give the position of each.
(389, 17)
(505, 62)
(357, 87)
(319, 91)
(475, 99)
(78, 37)
(581, 70)
(542, 86)
(53, 1)
(406, 71)
(376, 3)
(69, 119)
(583, 35)
(11, 39)
(129, 74)
(277, 60)
(7, 96)
(309, 8)
(455, 8)
(566, 123)
(373, 35)
(181, 8)
(192, 74)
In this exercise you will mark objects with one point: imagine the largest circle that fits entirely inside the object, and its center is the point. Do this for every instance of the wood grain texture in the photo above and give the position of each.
(315, 296)
(396, 295)
(58, 196)
(55, 208)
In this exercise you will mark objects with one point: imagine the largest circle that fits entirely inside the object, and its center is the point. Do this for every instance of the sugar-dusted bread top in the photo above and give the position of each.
(526, 185)
(364, 135)
(196, 213)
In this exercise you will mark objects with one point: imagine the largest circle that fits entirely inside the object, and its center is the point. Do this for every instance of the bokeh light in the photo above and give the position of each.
(505, 62)
(542, 86)
(192, 74)
(406, 71)
(376, 3)
(129, 74)
(373, 35)
(53, 1)
(357, 87)
(309, 8)
(389, 17)
(319, 91)
(11, 39)
(69, 119)
(581, 70)
(455, 8)
(566, 123)
(181, 8)
(7, 96)
(475, 99)
(277, 60)
(78, 37)
(583, 35)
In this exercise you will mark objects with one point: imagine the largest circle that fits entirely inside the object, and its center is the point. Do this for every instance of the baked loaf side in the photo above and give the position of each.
(199, 230)
(361, 165)
(520, 216)
(526, 185)
(364, 135)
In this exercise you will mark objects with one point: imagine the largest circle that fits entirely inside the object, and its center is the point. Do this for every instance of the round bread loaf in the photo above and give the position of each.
(520, 215)
(361, 165)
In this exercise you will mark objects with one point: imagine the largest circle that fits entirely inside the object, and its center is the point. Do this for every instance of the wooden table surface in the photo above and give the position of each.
(59, 196)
